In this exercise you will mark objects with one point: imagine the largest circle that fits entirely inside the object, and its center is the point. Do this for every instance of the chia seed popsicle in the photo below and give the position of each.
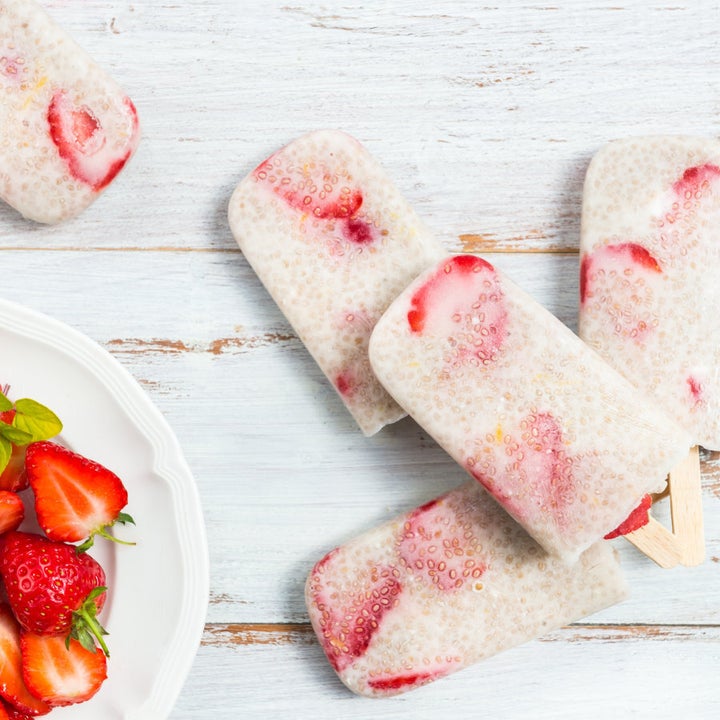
(442, 587)
(66, 128)
(561, 440)
(334, 242)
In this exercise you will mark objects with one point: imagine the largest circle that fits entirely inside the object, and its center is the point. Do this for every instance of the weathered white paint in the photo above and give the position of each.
(486, 117)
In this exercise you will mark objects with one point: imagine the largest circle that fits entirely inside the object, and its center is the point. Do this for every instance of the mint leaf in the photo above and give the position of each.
(37, 420)
(5, 404)
(5, 452)
(15, 435)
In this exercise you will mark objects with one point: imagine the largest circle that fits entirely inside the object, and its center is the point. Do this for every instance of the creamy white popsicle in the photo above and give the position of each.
(564, 443)
(334, 242)
(650, 263)
(442, 587)
(66, 128)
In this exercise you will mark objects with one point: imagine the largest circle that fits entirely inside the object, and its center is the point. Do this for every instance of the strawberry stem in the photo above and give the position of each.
(123, 518)
(86, 628)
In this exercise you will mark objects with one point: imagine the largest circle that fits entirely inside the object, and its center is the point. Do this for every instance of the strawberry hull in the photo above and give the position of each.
(66, 128)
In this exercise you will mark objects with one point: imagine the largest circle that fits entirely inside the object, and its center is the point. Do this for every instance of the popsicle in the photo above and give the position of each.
(650, 261)
(562, 441)
(334, 242)
(442, 587)
(66, 128)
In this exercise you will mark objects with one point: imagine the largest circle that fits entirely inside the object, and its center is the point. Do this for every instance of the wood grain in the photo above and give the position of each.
(486, 116)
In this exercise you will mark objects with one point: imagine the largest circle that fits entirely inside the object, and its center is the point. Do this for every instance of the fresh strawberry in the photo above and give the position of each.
(13, 477)
(347, 619)
(12, 713)
(12, 511)
(75, 498)
(83, 143)
(439, 544)
(12, 685)
(52, 589)
(639, 517)
(60, 673)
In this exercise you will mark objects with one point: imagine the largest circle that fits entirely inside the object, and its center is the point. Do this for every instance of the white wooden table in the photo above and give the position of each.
(486, 117)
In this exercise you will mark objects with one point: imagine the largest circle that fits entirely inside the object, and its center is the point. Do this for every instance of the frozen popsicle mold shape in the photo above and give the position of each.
(334, 242)
(66, 128)
(561, 440)
(442, 587)
(650, 261)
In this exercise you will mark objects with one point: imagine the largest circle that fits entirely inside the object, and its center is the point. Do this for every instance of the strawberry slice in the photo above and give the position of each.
(12, 685)
(438, 543)
(464, 301)
(12, 511)
(13, 477)
(90, 155)
(639, 517)
(348, 619)
(8, 712)
(75, 498)
(59, 673)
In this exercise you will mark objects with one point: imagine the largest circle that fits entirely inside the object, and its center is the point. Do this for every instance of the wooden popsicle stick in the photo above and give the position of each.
(685, 544)
(658, 543)
(686, 508)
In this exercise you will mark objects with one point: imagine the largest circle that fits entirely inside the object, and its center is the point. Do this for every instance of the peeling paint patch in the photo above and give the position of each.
(258, 634)
(220, 346)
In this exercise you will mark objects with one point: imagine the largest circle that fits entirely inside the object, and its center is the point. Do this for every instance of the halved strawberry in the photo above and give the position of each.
(12, 511)
(12, 685)
(61, 673)
(75, 498)
(82, 142)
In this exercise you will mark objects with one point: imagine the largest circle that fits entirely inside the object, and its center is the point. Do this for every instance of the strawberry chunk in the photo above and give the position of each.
(81, 141)
(13, 477)
(12, 713)
(439, 544)
(59, 674)
(12, 511)
(464, 301)
(620, 281)
(639, 517)
(75, 498)
(349, 619)
(402, 683)
(12, 685)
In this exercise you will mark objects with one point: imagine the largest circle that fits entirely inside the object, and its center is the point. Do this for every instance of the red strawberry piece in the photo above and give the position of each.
(3, 712)
(14, 477)
(59, 673)
(696, 181)
(639, 517)
(75, 498)
(12, 686)
(321, 192)
(81, 141)
(394, 684)
(350, 618)
(53, 589)
(529, 472)
(12, 713)
(12, 511)
(620, 281)
(440, 544)
(463, 300)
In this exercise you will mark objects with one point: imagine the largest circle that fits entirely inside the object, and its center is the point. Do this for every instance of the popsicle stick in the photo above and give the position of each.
(658, 543)
(685, 544)
(686, 508)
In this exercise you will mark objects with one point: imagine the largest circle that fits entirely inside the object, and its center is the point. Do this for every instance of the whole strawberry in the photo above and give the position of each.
(52, 589)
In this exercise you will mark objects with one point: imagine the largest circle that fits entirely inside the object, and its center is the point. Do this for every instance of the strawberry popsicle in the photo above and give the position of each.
(564, 443)
(66, 128)
(334, 242)
(650, 260)
(442, 587)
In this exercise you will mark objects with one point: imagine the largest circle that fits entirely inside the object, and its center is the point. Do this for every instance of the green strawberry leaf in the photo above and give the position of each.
(5, 452)
(37, 420)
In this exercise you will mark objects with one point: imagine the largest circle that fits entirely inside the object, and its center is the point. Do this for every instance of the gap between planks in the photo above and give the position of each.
(278, 634)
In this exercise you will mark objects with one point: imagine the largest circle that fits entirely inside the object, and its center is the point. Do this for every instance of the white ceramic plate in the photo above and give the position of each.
(158, 590)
